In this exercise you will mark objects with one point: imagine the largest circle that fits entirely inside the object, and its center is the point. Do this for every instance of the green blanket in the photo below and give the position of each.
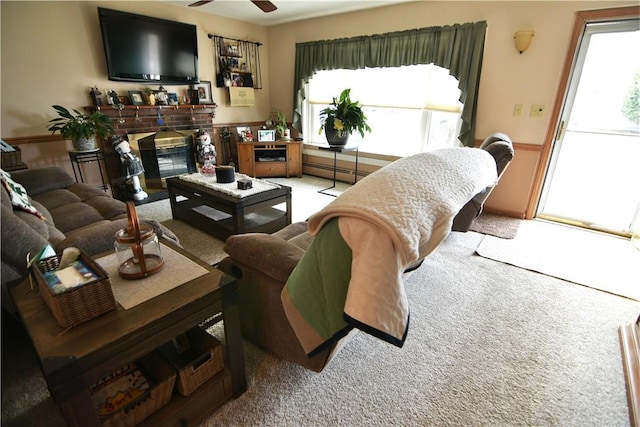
(317, 306)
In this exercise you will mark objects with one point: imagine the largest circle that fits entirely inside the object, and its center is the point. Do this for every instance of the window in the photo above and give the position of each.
(410, 109)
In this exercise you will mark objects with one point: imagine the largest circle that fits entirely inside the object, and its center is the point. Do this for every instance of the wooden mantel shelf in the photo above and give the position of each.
(105, 108)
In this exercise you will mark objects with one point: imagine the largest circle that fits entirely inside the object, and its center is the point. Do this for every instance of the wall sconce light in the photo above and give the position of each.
(523, 40)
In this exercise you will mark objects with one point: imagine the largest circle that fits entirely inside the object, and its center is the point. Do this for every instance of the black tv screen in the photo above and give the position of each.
(144, 49)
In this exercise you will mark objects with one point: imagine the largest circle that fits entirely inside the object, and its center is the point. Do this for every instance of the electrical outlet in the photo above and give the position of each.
(537, 111)
(517, 110)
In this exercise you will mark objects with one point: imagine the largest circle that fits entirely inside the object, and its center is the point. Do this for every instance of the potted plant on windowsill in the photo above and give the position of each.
(80, 128)
(342, 118)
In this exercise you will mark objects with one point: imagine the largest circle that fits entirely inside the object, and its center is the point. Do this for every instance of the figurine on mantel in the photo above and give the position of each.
(96, 96)
(161, 96)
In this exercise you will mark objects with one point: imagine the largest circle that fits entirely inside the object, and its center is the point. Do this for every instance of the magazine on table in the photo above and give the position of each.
(75, 275)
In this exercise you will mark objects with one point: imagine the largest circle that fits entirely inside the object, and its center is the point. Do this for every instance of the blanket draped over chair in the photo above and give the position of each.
(351, 275)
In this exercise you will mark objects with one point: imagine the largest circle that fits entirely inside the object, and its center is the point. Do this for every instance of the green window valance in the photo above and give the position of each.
(458, 48)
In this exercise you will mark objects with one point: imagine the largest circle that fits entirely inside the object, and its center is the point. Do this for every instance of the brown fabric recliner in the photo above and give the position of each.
(262, 264)
(500, 147)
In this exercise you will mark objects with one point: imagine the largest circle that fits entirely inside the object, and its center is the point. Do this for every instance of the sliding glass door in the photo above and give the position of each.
(593, 179)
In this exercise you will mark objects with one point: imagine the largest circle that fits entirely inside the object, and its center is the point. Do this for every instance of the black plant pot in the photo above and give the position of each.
(333, 139)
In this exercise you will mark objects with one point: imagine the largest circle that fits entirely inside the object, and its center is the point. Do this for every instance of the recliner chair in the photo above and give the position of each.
(500, 147)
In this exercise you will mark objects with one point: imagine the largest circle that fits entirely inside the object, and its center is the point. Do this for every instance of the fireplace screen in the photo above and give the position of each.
(164, 155)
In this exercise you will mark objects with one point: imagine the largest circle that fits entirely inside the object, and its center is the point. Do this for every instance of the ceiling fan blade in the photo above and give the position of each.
(200, 3)
(266, 6)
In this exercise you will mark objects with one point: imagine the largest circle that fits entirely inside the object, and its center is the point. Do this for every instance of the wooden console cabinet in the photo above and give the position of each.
(280, 158)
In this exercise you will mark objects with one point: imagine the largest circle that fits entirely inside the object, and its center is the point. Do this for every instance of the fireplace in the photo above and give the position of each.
(166, 154)
(163, 154)
(138, 121)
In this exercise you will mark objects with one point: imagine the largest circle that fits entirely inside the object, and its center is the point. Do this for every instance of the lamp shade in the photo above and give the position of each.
(523, 40)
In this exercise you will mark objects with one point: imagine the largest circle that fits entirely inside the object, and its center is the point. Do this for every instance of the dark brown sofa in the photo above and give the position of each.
(78, 215)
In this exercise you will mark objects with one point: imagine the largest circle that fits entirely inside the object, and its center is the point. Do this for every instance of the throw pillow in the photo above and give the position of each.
(18, 194)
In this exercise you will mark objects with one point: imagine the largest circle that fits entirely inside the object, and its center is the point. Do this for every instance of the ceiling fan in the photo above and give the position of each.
(265, 6)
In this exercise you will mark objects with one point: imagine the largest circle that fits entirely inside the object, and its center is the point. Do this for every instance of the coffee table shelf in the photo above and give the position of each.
(255, 213)
(74, 359)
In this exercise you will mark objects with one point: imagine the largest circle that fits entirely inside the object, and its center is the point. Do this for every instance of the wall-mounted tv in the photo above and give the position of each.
(144, 49)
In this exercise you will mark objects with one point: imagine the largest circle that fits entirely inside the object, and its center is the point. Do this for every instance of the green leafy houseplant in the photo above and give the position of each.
(278, 122)
(344, 115)
(79, 127)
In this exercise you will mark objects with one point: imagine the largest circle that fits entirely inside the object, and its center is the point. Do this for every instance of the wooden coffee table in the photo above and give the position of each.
(72, 360)
(222, 215)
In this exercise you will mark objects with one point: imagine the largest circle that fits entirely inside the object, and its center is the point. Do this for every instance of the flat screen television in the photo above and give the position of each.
(144, 49)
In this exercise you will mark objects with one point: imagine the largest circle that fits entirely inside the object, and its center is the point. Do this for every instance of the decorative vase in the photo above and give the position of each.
(334, 139)
(84, 144)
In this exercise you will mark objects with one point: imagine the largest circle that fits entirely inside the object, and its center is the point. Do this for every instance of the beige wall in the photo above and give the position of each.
(52, 53)
(508, 77)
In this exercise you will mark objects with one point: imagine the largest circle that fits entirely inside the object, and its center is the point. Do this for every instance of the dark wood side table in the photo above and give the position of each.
(337, 150)
(78, 158)
(72, 360)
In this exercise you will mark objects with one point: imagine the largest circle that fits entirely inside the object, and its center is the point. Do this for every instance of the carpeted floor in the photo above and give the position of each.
(598, 260)
(489, 344)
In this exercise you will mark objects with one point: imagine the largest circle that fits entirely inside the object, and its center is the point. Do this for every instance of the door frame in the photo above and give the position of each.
(581, 20)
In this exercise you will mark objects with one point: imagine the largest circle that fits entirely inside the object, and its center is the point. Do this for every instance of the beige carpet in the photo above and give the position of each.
(597, 260)
(489, 345)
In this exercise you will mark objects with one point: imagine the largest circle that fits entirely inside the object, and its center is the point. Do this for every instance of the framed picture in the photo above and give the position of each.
(204, 92)
(136, 97)
(266, 135)
(173, 98)
(244, 134)
(192, 94)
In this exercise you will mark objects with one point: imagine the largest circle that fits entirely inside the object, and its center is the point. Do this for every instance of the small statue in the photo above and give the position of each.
(206, 153)
(161, 96)
(132, 166)
(114, 100)
(96, 96)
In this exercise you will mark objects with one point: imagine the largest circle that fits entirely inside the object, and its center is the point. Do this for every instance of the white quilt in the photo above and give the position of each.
(394, 217)
(414, 199)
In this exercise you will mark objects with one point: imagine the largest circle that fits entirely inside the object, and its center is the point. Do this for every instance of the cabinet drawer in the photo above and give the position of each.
(271, 168)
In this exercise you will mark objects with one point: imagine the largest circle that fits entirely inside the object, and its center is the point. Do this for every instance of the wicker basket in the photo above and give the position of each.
(162, 378)
(198, 359)
(79, 304)
(11, 159)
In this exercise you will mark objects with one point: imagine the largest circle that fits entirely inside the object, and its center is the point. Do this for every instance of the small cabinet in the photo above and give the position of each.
(280, 158)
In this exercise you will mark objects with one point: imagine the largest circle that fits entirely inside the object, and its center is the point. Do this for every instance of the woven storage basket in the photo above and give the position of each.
(195, 365)
(11, 159)
(79, 304)
(163, 378)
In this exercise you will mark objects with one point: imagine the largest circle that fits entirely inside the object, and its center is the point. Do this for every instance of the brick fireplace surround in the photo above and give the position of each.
(145, 119)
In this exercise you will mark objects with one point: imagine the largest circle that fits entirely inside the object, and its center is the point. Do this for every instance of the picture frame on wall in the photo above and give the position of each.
(136, 97)
(204, 92)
